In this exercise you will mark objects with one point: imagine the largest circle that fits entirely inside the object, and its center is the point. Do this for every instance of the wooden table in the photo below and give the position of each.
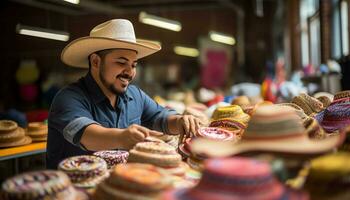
(21, 151)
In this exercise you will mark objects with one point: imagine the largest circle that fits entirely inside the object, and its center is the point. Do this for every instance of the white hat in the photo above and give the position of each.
(113, 34)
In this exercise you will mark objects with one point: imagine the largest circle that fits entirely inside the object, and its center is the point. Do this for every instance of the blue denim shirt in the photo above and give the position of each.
(83, 103)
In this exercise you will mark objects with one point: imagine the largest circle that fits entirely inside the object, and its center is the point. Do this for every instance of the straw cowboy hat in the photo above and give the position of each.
(271, 129)
(113, 34)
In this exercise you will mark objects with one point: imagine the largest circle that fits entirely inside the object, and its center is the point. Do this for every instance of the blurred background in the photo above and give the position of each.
(213, 44)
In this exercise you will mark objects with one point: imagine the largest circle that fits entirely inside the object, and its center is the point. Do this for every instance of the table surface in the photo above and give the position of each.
(20, 151)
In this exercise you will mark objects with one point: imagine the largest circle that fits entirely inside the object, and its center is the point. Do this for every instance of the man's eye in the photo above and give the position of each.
(121, 63)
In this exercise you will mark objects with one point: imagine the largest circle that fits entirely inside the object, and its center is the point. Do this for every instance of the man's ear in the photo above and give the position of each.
(95, 60)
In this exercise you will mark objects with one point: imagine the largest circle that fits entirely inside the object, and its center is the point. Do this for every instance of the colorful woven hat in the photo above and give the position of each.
(234, 179)
(337, 115)
(230, 118)
(309, 104)
(328, 177)
(133, 181)
(271, 129)
(47, 184)
(84, 171)
(113, 157)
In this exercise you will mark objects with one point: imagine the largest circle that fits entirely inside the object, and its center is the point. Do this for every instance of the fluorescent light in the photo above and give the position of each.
(42, 32)
(223, 38)
(186, 51)
(73, 1)
(153, 41)
(159, 21)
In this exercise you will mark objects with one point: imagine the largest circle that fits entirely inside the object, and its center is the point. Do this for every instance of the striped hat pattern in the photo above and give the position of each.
(337, 115)
(236, 178)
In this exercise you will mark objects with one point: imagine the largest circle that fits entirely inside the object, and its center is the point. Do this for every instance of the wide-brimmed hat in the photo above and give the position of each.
(230, 118)
(233, 179)
(45, 184)
(337, 115)
(271, 129)
(113, 34)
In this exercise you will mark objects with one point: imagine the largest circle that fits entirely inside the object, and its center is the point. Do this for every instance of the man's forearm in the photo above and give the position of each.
(96, 138)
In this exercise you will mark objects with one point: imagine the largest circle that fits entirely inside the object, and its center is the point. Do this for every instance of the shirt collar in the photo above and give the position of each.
(96, 92)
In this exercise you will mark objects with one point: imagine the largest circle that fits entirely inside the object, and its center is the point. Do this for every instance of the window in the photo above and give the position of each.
(344, 17)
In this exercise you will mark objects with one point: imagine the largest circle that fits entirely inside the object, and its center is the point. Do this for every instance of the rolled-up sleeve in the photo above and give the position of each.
(70, 116)
(155, 116)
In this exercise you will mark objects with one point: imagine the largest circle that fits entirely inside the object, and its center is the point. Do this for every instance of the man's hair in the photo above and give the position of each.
(102, 54)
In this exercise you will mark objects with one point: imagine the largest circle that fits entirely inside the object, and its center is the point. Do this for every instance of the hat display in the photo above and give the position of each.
(133, 181)
(84, 171)
(328, 177)
(271, 129)
(113, 157)
(309, 104)
(234, 179)
(112, 34)
(337, 115)
(12, 135)
(37, 131)
(47, 184)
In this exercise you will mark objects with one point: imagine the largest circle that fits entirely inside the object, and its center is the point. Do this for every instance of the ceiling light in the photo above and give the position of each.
(223, 38)
(72, 1)
(186, 51)
(42, 32)
(159, 21)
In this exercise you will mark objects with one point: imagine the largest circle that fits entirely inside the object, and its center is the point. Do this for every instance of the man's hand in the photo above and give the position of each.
(136, 133)
(187, 126)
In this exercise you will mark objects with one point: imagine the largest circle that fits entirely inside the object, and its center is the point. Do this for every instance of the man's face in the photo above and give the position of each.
(118, 69)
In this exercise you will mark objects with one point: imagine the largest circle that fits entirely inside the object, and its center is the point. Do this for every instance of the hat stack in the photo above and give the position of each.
(113, 157)
(329, 177)
(12, 135)
(313, 129)
(37, 131)
(158, 154)
(310, 105)
(133, 181)
(236, 178)
(47, 184)
(337, 115)
(231, 118)
(84, 171)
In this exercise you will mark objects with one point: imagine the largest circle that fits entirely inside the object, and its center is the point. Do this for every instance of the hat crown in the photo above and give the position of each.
(117, 29)
(274, 121)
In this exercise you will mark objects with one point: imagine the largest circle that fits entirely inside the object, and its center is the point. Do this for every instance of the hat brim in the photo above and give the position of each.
(23, 141)
(293, 145)
(183, 194)
(76, 53)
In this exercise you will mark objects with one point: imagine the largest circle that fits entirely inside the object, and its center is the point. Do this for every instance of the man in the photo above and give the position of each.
(102, 111)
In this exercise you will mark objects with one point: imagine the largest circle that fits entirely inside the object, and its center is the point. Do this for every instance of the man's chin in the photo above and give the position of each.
(118, 91)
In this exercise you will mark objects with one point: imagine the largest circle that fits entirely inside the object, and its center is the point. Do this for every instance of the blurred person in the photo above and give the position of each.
(103, 110)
